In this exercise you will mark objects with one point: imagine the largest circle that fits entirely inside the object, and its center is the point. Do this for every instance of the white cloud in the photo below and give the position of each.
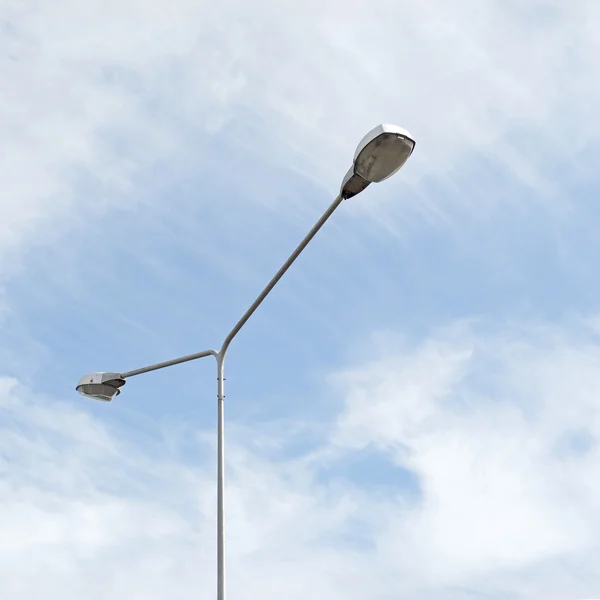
(489, 423)
(492, 425)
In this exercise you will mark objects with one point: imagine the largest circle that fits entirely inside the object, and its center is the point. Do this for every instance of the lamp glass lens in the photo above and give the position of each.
(382, 157)
(100, 391)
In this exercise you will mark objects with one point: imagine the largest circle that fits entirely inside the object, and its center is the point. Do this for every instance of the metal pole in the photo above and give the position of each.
(220, 477)
(221, 392)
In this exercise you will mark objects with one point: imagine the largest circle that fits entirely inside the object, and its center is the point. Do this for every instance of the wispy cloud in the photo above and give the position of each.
(104, 92)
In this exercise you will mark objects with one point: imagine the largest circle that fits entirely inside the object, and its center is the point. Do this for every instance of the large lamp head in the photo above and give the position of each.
(100, 386)
(380, 154)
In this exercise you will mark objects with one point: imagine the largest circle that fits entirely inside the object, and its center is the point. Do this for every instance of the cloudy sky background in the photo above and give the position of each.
(414, 412)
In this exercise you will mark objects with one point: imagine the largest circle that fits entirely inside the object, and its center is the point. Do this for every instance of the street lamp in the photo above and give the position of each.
(378, 156)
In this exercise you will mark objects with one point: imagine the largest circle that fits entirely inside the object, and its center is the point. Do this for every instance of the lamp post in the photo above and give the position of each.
(378, 156)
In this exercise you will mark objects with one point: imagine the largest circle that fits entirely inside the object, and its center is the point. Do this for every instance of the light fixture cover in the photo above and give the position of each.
(101, 386)
(382, 152)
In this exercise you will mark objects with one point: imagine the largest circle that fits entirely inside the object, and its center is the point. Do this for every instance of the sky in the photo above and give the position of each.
(414, 412)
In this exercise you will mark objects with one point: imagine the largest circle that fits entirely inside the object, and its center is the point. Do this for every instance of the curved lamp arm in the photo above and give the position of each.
(170, 363)
(286, 265)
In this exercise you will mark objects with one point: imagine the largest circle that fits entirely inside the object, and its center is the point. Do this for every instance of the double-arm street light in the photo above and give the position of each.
(378, 156)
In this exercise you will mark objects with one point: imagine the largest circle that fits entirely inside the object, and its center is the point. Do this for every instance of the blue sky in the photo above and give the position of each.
(415, 410)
